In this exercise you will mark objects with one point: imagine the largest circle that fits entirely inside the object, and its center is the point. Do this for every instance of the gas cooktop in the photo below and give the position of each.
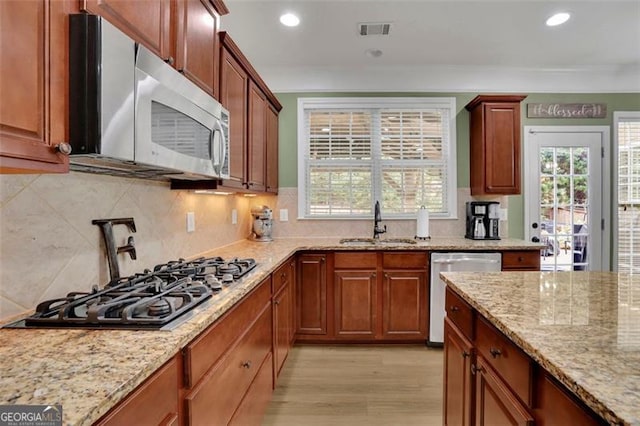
(154, 299)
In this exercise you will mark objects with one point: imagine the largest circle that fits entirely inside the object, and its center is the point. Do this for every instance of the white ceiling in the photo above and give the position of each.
(442, 45)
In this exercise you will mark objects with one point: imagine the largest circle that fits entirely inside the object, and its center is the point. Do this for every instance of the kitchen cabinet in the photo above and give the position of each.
(272, 150)
(495, 144)
(225, 361)
(355, 295)
(154, 402)
(33, 84)
(405, 298)
(253, 111)
(521, 260)
(257, 139)
(283, 287)
(489, 380)
(182, 32)
(311, 296)
(458, 385)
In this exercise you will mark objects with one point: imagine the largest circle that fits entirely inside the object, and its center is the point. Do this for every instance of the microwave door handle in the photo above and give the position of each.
(216, 151)
(223, 147)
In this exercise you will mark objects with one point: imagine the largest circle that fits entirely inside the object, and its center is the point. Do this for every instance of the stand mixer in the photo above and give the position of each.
(262, 223)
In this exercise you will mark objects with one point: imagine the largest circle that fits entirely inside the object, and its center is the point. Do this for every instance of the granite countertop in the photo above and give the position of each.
(89, 371)
(582, 327)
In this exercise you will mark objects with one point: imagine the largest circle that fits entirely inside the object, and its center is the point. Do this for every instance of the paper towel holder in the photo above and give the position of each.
(428, 237)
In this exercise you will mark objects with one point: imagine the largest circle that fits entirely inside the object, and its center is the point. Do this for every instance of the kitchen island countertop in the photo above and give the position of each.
(89, 371)
(582, 327)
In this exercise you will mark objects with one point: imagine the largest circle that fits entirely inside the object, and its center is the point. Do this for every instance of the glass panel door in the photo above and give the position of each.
(563, 192)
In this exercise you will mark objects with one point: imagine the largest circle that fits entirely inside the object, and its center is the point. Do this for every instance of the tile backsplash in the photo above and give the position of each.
(48, 246)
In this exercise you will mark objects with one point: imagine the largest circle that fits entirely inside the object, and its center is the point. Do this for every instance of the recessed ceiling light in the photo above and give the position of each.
(557, 19)
(290, 20)
(373, 53)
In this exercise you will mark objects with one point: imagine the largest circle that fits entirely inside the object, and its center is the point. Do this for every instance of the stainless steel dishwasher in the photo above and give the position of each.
(453, 262)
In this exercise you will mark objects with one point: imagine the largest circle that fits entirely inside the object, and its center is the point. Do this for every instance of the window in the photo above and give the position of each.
(627, 135)
(354, 151)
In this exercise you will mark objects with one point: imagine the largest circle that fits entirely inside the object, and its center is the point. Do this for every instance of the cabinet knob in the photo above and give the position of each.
(246, 364)
(495, 352)
(475, 369)
(373, 275)
(465, 354)
(454, 308)
(63, 148)
(170, 60)
(277, 303)
(520, 259)
(283, 276)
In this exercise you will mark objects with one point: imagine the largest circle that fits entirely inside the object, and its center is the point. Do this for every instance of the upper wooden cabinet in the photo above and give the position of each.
(253, 121)
(33, 85)
(182, 32)
(495, 144)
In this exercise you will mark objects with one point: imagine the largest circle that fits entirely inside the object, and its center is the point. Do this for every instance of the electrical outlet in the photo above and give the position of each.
(191, 222)
(234, 217)
(503, 214)
(284, 215)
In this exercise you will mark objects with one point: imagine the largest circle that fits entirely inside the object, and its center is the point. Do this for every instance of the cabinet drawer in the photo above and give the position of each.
(402, 260)
(513, 365)
(521, 260)
(219, 393)
(206, 349)
(355, 260)
(282, 275)
(255, 403)
(459, 312)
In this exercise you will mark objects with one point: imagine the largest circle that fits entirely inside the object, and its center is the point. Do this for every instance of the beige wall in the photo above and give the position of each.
(48, 246)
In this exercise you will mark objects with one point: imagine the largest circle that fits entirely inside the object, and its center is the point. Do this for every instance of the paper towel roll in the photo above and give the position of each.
(422, 223)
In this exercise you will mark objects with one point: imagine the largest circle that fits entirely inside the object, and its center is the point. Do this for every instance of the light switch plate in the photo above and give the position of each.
(503, 214)
(284, 215)
(234, 217)
(191, 222)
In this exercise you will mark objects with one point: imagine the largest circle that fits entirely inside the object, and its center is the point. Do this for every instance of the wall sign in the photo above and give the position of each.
(566, 110)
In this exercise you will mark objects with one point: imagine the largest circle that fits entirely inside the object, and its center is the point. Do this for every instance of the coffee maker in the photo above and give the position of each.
(483, 220)
(262, 223)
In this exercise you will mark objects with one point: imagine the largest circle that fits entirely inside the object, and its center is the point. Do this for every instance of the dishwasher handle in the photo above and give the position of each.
(463, 259)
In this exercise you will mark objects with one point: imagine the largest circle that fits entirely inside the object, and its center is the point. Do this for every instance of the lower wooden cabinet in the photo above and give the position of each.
(488, 380)
(458, 385)
(311, 295)
(155, 402)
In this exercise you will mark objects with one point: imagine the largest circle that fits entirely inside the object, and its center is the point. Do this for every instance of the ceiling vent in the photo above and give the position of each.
(374, 28)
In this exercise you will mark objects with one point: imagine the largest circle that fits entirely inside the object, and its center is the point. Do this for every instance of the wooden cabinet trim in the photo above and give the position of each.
(495, 99)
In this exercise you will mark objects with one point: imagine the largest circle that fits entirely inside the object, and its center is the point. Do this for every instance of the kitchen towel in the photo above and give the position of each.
(422, 223)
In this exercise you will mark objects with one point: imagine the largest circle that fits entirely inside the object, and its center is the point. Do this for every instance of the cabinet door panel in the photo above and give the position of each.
(312, 295)
(281, 326)
(146, 21)
(495, 404)
(355, 304)
(272, 151)
(257, 138)
(33, 75)
(502, 148)
(405, 304)
(197, 42)
(234, 86)
(458, 387)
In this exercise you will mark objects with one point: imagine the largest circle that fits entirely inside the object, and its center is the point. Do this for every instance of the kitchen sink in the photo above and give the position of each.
(372, 241)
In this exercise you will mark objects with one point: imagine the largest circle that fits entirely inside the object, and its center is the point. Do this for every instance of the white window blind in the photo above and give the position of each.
(628, 139)
(354, 151)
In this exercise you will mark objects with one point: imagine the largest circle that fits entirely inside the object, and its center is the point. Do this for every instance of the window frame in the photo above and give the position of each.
(346, 103)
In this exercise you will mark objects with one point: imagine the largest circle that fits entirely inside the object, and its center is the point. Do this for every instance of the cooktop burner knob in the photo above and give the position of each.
(227, 278)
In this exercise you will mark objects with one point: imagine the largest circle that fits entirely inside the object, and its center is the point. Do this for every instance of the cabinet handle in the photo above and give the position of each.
(520, 259)
(246, 364)
(495, 352)
(475, 369)
(170, 60)
(283, 276)
(386, 276)
(322, 260)
(277, 303)
(454, 308)
(465, 354)
(373, 275)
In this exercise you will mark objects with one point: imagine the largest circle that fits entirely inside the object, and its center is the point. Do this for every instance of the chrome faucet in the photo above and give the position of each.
(377, 218)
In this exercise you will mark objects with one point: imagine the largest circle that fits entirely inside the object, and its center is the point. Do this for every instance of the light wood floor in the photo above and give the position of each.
(358, 385)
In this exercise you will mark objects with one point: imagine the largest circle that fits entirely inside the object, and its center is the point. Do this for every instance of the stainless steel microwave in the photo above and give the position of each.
(131, 114)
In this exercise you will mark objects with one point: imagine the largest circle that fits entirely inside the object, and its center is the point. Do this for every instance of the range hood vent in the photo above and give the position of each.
(374, 28)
